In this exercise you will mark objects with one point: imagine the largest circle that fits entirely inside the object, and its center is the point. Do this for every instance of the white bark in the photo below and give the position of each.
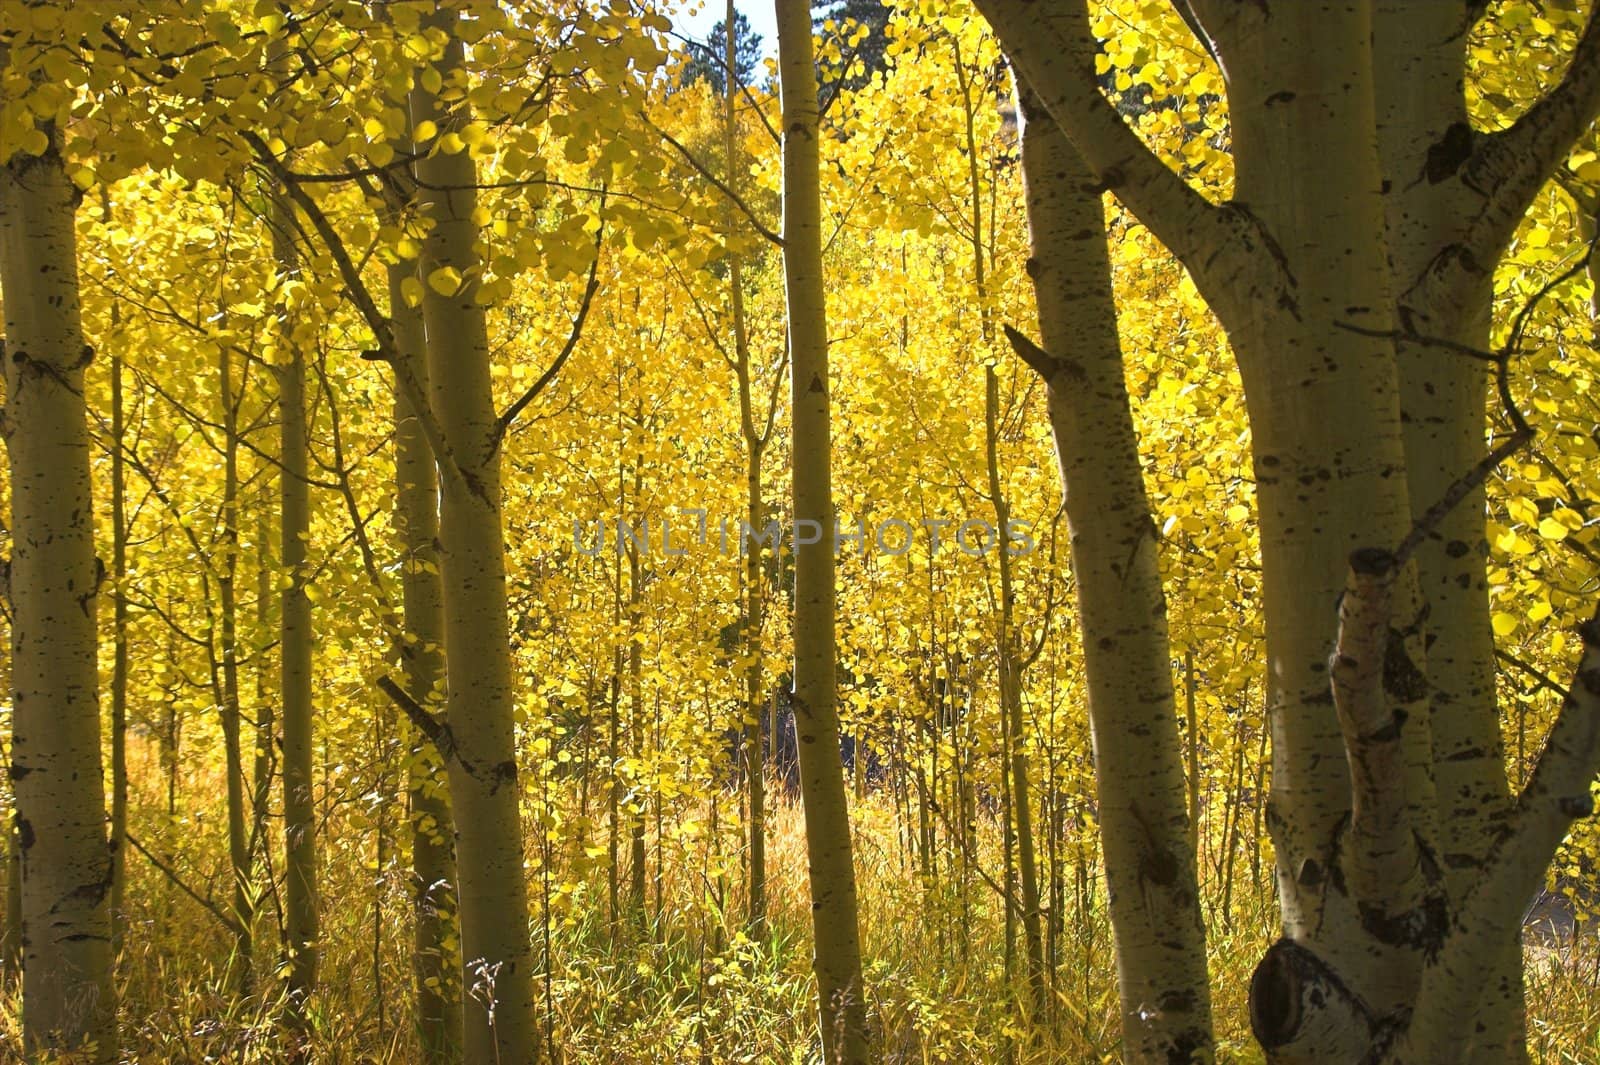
(1144, 827)
(837, 960)
(68, 997)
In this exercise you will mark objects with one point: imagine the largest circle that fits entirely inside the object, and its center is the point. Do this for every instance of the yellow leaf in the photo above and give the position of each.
(1551, 529)
(34, 142)
(411, 291)
(446, 280)
(1504, 624)
(426, 130)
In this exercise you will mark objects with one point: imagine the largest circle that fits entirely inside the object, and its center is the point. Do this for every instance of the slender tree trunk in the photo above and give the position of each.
(239, 856)
(497, 950)
(1138, 755)
(1014, 773)
(295, 647)
(119, 660)
(68, 995)
(636, 848)
(1420, 63)
(266, 725)
(435, 967)
(828, 845)
(755, 440)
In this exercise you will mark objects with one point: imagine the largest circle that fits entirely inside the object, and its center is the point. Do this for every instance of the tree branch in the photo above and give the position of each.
(376, 320)
(177, 881)
(503, 423)
(720, 185)
(433, 730)
(1370, 687)
(1049, 367)
(1508, 168)
(1557, 794)
(1053, 52)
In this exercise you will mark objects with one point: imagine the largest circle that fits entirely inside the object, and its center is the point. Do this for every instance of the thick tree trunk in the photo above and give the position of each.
(1326, 486)
(497, 954)
(1138, 757)
(1387, 914)
(828, 845)
(1420, 62)
(68, 996)
(433, 864)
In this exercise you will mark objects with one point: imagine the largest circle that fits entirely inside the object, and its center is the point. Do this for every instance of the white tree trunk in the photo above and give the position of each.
(1144, 826)
(837, 961)
(68, 998)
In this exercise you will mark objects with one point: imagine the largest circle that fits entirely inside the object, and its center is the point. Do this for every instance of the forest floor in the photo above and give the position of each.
(690, 987)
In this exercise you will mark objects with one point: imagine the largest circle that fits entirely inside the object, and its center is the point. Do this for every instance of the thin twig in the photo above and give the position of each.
(505, 420)
(171, 874)
(721, 186)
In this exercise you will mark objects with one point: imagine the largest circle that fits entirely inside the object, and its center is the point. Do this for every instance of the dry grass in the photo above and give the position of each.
(691, 987)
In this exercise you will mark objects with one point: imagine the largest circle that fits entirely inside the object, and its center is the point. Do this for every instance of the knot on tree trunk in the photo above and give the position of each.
(1299, 1005)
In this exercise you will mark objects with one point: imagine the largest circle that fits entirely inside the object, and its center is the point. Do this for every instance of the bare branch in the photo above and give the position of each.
(720, 185)
(1509, 168)
(178, 882)
(433, 730)
(1053, 52)
(1556, 794)
(1046, 365)
(505, 420)
(376, 320)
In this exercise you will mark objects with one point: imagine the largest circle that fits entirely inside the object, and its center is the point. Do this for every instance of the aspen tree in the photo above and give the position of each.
(225, 674)
(1333, 264)
(301, 908)
(119, 661)
(1009, 664)
(496, 946)
(69, 1001)
(1144, 831)
(433, 867)
(837, 961)
(755, 442)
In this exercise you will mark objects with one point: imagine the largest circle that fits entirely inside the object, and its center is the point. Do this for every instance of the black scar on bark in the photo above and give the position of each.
(1448, 154)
